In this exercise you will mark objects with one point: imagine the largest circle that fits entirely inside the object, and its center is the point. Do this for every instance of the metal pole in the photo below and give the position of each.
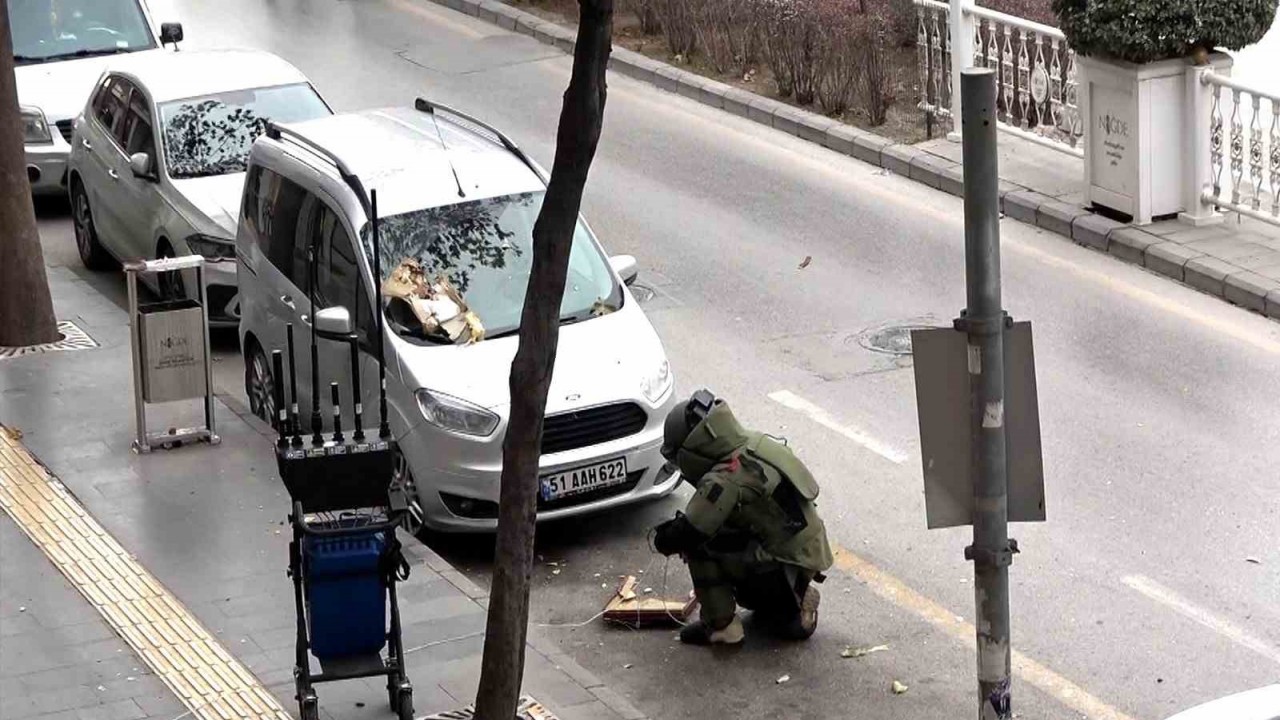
(984, 321)
(135, 340)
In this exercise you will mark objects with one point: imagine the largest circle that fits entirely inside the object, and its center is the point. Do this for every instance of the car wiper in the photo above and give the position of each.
(89, 53)
(29, 59)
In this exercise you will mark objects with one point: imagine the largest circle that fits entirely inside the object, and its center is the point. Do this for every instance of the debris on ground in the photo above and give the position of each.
(898, 688)
(783, 679)
(805, 262)
(436, 304)
(1253, 560)
(626, 607)
(13, 433)
(852, 652)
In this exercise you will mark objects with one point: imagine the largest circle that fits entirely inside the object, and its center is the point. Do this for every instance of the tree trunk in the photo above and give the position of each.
(26, 310)
(580, 121)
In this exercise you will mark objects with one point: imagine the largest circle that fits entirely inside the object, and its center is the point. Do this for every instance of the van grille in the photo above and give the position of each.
(583, 428)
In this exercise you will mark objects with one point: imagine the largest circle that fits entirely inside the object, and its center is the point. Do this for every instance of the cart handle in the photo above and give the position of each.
(394, 519)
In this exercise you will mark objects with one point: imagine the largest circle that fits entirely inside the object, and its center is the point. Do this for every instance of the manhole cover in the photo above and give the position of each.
(891, 340)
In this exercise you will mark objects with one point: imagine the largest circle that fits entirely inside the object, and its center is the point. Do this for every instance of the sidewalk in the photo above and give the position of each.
(1237, 260)
(208, 523)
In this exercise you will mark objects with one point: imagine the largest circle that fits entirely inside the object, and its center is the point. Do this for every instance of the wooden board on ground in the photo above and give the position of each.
(627, 607)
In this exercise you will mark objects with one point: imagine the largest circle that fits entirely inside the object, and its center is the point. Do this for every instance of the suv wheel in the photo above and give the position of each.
(92, 254)
(403, 475)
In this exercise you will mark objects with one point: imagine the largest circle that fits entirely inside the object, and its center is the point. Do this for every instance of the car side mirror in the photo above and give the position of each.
(626, 267)
(140, 164)
(170, 33)
(334, 323)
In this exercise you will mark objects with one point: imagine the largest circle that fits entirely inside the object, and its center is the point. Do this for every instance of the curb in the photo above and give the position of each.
(1126, 242)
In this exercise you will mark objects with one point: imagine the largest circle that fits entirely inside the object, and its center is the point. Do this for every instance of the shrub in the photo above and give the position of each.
(725, 33)
(873, 71)
(677, 25)
(646, 11)
(1040, 11)
(840, 36)
(789, 33)
(1143, 31)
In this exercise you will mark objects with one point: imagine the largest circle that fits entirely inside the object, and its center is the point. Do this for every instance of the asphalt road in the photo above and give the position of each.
(1161, 439)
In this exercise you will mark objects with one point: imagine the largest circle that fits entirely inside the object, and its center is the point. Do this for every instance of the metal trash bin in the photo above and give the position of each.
(171, 357)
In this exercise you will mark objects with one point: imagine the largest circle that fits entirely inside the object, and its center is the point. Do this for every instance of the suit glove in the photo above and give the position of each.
(677, 535)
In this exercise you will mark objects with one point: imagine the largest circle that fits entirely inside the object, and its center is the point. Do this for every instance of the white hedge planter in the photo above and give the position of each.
(1137, 152)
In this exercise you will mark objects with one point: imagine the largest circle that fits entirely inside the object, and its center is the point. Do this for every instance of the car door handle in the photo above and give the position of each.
(306, 321)
(86, 144)
(288, 302)
(113, 174)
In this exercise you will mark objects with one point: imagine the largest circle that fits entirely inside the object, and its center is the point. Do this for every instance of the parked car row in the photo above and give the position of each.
(234, 155)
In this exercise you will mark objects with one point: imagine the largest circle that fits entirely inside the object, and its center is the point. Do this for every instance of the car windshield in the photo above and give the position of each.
(485, 249)
(212, 135)
(49, 30)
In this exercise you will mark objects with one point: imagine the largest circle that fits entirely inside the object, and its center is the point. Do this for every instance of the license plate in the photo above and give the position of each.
(583, 479)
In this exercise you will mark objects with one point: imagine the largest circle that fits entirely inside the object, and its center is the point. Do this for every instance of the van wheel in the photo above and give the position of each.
(259, 385)
(92, 254)
(402, 475)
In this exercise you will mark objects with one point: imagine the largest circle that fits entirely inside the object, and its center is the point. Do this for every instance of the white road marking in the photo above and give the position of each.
(1181, 605)
(792, 401)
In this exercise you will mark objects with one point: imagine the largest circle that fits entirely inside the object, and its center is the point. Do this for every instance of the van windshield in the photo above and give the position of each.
(485, 249)
(212, 135)
(49, 30)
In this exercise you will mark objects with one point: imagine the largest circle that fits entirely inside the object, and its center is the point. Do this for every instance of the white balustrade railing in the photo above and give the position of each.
(1244, 148)
(1036, 71)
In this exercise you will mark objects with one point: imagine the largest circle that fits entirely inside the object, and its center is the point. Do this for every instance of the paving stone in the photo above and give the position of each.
(1208, 274)
(1195, 234)
(118, 710)
(1270, 271)
(617, 703)
(738, 102)
(713, 93)
(1058, 217)
(761, 110)
(927, 168)
(1169, 258)
(788, 119)
(594, 710)
(839, 137)
(1228, 248)
(952, 181)
(897, 159)
(1249, 289)
(1267, 259)
(689, 85)
(1023, 205)
(1094, 230)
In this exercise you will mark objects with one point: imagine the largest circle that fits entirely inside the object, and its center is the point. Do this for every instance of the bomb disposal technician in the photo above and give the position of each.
(750, 534)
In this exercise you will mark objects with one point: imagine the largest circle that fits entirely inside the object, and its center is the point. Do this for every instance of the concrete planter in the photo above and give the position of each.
(1137, 137)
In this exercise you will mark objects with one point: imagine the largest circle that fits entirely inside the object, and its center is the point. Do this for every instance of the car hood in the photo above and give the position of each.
(215, 200)
(597, 361)
(61, 89)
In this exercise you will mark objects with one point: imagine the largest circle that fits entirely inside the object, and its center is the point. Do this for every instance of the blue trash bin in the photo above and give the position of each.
(346, 598)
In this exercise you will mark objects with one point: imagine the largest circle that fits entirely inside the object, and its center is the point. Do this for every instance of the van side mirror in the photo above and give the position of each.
(334, 323)
(140, 164)
(626, 267)
(170, 33)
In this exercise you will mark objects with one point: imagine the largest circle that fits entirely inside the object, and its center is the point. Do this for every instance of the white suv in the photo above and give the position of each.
(60, 48)
(459, 198)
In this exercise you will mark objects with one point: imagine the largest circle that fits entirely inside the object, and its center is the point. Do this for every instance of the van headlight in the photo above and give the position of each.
(35, 129)
(211, 248)
(454, 415)
(656, 384)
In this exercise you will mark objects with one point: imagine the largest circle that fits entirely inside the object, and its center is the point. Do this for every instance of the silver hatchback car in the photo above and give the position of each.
(458, 199)
(158, 157)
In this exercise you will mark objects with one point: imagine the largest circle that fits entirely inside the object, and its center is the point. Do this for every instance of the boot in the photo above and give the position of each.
(803, 625)
(700, 633)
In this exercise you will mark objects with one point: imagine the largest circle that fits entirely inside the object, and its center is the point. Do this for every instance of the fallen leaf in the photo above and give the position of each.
(899, 688)
(1253, 560)
(556, 571)
(783, 679)
(805, 262)
(851, 652)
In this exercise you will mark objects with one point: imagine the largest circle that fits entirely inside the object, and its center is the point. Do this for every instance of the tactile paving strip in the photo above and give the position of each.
(204, 676)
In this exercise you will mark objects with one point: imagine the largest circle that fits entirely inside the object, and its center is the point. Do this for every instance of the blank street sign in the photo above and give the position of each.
(942, 401)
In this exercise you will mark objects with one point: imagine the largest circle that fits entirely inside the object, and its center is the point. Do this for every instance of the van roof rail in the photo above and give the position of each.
(277, 132)
(432, 108)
